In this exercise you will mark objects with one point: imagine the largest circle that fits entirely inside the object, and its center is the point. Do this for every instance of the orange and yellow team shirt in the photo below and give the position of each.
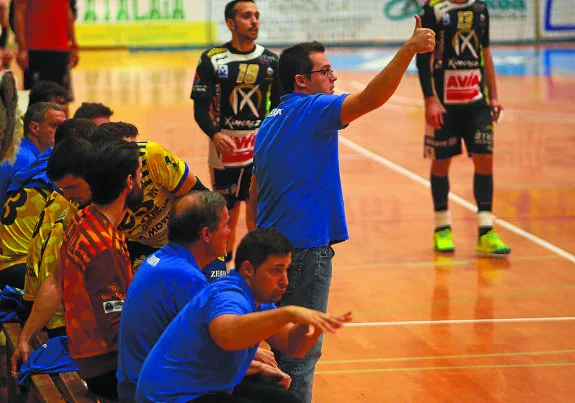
(96, 273)
(162, 175)
(21, 212)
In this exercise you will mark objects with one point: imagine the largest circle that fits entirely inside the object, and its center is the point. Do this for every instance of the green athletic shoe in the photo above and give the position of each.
(491, 243)
(443, 241)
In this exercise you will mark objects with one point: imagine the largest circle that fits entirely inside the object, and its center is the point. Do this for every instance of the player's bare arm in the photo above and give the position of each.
(382, 87)
(494, 104)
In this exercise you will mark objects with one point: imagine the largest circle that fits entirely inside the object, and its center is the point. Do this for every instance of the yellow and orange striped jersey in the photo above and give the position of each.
(96, 273)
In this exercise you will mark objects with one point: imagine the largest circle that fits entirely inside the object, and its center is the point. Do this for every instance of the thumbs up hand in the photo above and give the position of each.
(423, 39)
(417, 22)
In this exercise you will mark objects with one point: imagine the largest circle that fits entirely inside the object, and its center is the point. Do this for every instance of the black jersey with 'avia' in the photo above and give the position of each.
(241, 87)
(462, 31)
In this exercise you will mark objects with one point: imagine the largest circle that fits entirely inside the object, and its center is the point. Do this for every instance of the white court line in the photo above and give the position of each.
(457, 199)
(520, 114)
(460, 321)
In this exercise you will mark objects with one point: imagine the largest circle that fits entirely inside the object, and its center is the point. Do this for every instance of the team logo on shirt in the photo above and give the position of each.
(446, 19)
(113, 306)
(462, 86)
(246, 96)
(463, 41)
(153, 260)
(223, 71)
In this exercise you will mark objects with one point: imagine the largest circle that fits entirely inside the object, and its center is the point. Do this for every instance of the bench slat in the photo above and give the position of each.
(43, 389)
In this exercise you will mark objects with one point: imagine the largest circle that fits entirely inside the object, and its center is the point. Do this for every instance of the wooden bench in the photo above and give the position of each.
(62, 387)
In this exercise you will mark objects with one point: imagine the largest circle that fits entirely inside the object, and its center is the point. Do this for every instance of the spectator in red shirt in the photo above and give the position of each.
(46, 40)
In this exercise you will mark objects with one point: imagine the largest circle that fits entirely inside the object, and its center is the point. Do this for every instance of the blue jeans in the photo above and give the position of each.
(309, 282)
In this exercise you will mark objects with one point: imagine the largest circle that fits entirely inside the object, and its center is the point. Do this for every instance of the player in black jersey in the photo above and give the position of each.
(235, 86)
(458, 83)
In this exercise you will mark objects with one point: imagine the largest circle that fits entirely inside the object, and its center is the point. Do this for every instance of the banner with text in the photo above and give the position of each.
(142, 23)
(377, 21)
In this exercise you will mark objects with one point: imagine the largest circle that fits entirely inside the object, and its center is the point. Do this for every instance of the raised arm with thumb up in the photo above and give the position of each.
(423, 39)
(382, 86)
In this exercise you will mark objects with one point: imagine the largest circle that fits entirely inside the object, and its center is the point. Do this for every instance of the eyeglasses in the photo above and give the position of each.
(326, 72)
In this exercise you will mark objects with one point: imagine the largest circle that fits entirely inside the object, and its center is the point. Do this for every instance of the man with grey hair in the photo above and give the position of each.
(168, 279)
(40, 123)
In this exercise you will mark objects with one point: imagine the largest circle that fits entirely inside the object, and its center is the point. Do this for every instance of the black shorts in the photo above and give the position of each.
(233, 183)
(47, 65)
(473, 124)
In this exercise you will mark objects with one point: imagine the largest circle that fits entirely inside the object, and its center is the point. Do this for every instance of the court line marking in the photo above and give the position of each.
(461, 321)
(372, 370)
(446, 261)
(535, 116)
(448, 357)
(457, 199)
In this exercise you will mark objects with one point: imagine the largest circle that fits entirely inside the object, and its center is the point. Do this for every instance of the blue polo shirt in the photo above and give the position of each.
(34, 175)
(165, 282)
(296, 164)
(27, 153)
(186, 363)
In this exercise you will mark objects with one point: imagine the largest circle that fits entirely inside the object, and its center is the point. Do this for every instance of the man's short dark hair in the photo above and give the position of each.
(188, 217)
(109, 169)
(48, 91)
(71, 156)
(113, 131)
(230, 10)
(295, 60)
(89, 110)
(37, 113)
(258, 245)
(83, 128)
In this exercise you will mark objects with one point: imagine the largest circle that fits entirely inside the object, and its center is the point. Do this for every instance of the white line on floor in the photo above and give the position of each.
(457, 199)
(460, 321)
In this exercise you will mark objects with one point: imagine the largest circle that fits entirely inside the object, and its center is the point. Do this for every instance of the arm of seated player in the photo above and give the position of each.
(269, 373)
(224, 143)
(296, 340)
(383, 85)
(253, 199)
(236, 332)
(47, 302)
(191, 182)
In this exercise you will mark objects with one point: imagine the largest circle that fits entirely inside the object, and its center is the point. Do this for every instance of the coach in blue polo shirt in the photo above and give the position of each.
(296, 186)
(167, 280)
(208, 347)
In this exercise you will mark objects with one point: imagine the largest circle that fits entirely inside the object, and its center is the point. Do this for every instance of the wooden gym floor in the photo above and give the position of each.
(427, 327)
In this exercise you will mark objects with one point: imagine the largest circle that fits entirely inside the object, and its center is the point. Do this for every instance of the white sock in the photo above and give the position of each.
(442, 219)
(485, 219)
